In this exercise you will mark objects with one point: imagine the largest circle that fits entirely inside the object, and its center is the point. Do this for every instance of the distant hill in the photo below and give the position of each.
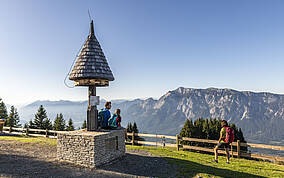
(70, 109)
(260, 115)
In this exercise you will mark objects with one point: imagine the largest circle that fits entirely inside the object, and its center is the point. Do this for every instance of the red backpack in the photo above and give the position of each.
(229, 135)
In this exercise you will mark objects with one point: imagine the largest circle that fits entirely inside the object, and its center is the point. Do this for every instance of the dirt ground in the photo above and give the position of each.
(19, 159)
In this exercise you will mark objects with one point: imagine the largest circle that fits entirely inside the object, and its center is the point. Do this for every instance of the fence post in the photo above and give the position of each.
(177, 142)
(232, 150)
(46, 133)
(27, 131)
(10, 129)
(239, 148)
(133, 138)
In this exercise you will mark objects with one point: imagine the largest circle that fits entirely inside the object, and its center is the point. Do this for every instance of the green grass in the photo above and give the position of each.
(192, 164)
(30, 139)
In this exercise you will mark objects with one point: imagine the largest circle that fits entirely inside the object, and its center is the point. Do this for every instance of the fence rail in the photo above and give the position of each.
(28, 131)
(234, 152)
(237, 152)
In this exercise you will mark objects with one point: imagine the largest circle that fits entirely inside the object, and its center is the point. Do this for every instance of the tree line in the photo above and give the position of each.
(133, 128)
(207, 129)
(12, 119)
(41, 121)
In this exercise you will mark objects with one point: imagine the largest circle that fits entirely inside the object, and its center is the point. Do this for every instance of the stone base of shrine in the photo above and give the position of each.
(90, 149)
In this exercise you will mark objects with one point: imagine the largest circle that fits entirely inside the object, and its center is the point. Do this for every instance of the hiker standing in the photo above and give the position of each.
(104, 115)
(226, 137)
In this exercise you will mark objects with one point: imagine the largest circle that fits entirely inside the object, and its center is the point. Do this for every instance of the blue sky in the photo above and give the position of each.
(151, 46)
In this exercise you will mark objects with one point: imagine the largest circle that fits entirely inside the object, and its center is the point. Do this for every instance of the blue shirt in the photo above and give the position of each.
(106, 113)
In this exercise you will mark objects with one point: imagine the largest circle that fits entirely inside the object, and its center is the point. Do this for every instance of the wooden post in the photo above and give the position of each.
(239, 148)
(46, 133)
(10, 129)
(232, 150)
(177, 142)
(92, 112)
(133, 138)
(27, 131)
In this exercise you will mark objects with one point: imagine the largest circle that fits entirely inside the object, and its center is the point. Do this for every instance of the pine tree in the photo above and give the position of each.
(198, 127)
(186, 131)
(241, 136)
(3, 110)
(129, 127)
(47, 124)
(40, 116)
(31, 124)
(211, 129)
(13, 119)
(134, 128)
(70, 126)
(26, 125)
(84, 125)
(59, 123)
(205, 129)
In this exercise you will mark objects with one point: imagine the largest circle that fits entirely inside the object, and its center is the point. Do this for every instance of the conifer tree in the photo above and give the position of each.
(134, 128)
(13, 119)
(70, 126)
(59, 123)
(47, 124)
(198, 124)
(84, 125)
(3, 110)
(186, 131)
(129, 127)
(31, 124)
(211, 130)
(241, 136)
(40, 117)
(26, 125)
(207, 129)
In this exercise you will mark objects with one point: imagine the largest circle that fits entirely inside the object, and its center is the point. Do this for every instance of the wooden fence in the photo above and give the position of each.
(176, 139)
(32, 132)
(234, 152)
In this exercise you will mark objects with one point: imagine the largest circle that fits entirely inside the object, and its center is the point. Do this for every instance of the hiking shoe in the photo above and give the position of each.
(228, 162)
(215, 161)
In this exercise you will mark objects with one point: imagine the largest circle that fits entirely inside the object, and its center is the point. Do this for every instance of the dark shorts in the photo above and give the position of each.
(222, 144)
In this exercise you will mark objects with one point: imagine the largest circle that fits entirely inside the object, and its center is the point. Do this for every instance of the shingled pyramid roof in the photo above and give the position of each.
(91, 62)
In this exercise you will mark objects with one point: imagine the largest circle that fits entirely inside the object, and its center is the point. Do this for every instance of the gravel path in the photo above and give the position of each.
(19, 159)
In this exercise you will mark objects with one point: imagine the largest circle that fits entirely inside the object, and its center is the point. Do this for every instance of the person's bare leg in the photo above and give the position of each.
(216, 152)
(227, 154)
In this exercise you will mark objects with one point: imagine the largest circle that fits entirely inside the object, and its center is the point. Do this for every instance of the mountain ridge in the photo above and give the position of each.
(259, 114)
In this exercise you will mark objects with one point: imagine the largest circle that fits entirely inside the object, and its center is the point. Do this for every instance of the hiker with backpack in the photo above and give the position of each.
(115, 120)
(104, 115)
(226, 137)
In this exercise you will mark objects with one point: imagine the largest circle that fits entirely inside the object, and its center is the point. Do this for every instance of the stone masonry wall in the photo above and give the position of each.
(90, 149)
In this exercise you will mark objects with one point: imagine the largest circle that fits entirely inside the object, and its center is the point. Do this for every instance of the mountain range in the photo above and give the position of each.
(260, 115)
